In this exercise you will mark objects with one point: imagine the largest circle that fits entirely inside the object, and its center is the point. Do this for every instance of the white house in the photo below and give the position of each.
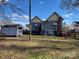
(76, 26)
(11, 30)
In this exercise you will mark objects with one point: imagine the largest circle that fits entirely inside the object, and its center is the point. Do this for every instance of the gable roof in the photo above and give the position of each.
(12, 25)
(36, 19)
(55, 13)
(77, 22)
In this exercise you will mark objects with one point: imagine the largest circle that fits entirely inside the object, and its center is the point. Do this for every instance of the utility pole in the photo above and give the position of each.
(30, 19)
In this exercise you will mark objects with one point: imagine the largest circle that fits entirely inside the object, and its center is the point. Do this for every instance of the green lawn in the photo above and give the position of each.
(39, 49)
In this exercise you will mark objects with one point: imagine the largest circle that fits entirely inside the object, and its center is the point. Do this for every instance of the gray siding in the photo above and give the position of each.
(51, 28)
(35, 26)
(9, 31)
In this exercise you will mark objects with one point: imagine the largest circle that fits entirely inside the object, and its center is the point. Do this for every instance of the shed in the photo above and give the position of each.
(12, 30)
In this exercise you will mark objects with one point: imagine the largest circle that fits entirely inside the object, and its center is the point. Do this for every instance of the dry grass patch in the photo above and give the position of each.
(39, 49)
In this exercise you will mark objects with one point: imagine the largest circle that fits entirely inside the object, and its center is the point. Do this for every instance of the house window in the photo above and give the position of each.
(55, 23)
(20, 31)
(20, 28)
(36, 24)
(0, 28)
(55, 27)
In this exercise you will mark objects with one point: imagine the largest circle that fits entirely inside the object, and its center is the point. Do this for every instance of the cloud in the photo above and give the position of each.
(19, 18)
(68, 15)
(15, 15)
(41, 2)
(27, 17)
(16, 18)
(6, 0)
(43, 19)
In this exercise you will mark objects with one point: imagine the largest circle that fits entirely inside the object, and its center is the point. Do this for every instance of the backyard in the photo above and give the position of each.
(45, 21)
(41, 48)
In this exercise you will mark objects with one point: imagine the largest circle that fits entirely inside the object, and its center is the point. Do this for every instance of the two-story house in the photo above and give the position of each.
(36, 25)
(52, 25)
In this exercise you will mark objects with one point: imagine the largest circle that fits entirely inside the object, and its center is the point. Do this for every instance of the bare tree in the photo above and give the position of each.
(69, 4)
(8, 7)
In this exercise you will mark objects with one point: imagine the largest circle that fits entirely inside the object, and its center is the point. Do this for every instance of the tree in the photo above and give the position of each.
(69, 4)
(65, 27)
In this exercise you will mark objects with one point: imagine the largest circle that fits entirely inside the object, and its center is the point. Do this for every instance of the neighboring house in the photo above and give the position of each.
(11, 30)
(74, 31)
(0, 29)
(52, 25)
(76, 26)
(36, 25)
